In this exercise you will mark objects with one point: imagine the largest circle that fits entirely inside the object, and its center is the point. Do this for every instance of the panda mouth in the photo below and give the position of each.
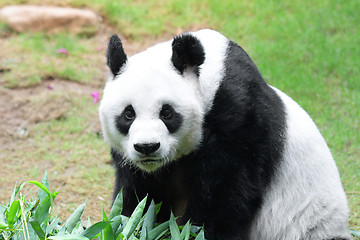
(149, 161)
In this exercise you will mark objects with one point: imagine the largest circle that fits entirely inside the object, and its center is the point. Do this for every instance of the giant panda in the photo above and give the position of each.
(191, 123)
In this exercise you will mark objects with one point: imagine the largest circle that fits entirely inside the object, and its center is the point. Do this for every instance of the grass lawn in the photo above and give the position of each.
(310, 50)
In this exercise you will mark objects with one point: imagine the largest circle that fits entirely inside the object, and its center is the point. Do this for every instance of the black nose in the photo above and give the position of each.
(146, 148)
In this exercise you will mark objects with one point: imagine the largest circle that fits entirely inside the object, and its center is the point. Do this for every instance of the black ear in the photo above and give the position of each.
(187, 52)
(115, 56)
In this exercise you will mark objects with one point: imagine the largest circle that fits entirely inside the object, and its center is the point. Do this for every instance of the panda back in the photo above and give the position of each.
(306, 199)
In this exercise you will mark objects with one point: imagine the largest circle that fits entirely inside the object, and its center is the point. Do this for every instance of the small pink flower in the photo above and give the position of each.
(96, 96)
(100, 48)
(62, 51)
(49, 87)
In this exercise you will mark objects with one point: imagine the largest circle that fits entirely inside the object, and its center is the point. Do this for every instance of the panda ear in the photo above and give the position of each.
(115, 56)
(187, 53)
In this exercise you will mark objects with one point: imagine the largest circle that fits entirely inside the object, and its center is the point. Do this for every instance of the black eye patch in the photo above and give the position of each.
(125, 119)
(170, 118)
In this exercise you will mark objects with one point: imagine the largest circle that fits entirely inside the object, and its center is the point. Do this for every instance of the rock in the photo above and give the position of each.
(26, 18)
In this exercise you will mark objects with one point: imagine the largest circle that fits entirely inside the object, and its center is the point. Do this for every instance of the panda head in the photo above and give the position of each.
(152, 111)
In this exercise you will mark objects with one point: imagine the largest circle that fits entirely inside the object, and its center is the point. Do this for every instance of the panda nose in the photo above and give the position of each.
(146, 148)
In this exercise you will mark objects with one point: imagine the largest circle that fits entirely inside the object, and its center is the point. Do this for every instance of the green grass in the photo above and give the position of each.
(34, 57)
(308, 49)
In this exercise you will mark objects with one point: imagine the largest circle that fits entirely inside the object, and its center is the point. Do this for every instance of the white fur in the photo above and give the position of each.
(147, 89)
(306, 200)
(212, 70)
(155, 83)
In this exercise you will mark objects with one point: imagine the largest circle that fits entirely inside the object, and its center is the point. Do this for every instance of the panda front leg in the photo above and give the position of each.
(225, 207)
(126, 180)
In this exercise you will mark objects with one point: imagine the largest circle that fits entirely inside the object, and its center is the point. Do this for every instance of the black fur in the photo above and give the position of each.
(187, 52)
(170, 118)
(223, 182)
(123, 122)
(115, 56)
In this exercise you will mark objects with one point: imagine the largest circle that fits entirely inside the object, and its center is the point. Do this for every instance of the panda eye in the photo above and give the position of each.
(166, 112)
(129, 113)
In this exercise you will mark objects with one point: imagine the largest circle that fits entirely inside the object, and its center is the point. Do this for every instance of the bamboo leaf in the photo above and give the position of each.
(42, 211)
(115, 223)
(12, 214)
(163, 234)
(120, 237)
(185, 233)
(69, 237)
(174, 229)
(117, 206)
(17, 189)
(50, 227)
(158, 207)
(79, 228)
(149, 221)
(201, 235)
(36, 226)
(157, 231)
(107, 232)
(95, 229)
(41, 186)
(88, 223)
(3, 225)
(2, 213)
(45, 182)
(134, 219)
(74, 218)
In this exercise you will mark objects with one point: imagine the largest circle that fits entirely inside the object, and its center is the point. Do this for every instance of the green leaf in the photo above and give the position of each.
(79, 228)
(74, 218)
(115, 223)
(12, 214)
(107, 233)
(69, 237)
(50, 227)
(95, 229)
(31, 231)
(31, 205)
(45, 182)
(164, 235)
(134, 219)
(157, 231)
(123, 221)
(3, 225)
(2, 213)
(42, 211)
(120, 237)
(117, 206)
(144, 234)
(174, 229)
(17, 189)
(149, 221)
(185, 233)
(201, 235)
(158, 207)
(88, 223)
(42, 187)
(36, 226)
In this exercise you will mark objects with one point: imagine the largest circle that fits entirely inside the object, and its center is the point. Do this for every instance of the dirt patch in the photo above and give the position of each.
(21, 108)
